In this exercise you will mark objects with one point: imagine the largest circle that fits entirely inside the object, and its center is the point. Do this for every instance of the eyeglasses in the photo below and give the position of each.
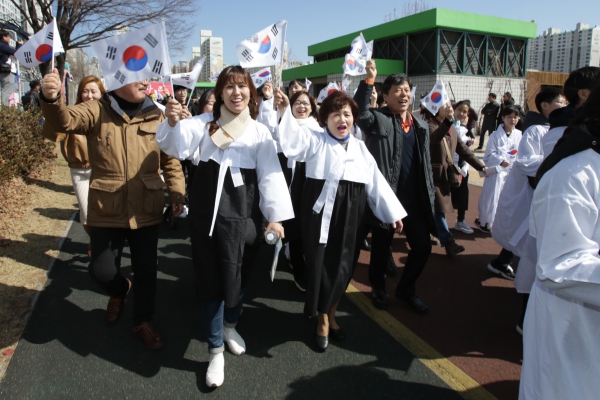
(301, 103)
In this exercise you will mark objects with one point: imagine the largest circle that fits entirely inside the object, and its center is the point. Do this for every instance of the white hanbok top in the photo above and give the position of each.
(255, 149)
(462, 132)
(551, 138)
(501, 147)
(327, 160)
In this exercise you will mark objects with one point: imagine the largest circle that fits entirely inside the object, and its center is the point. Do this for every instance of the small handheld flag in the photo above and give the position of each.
(133, 56)
(354, 66)
(436, 98)
(307, 83)
(188, 79)
(261, 77)
(329, 89)
(41, 47)
(264, 48)
(360, 48)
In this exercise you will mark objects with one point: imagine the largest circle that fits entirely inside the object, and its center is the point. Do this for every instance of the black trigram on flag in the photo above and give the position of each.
(246, 54)
(157, 67)
(50, 36)
(359, 50)
(360, 69)
(27, 55)
(274, 30)
(151, 40)
(120, 77)
(253, 39)
(110, 52)
(275, 53)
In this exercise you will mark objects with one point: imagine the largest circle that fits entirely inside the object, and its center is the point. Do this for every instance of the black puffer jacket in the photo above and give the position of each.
(382, 132)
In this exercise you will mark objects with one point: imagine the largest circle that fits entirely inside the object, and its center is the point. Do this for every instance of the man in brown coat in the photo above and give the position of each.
(440, 128)
(126, 197)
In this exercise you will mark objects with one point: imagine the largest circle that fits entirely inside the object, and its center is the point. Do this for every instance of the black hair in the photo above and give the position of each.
(582, 78)
(588, 112)
(4, 33)
(203, 100)
(462, 102)
(380, 99)
(508, 94)
(394, 79)
(546, 95)
(33, 84)
(177, 87)
(510, 110)
(296, 82)
(493, 95)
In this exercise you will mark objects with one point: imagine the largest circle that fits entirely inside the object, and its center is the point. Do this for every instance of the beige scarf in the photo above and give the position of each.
(231, 127)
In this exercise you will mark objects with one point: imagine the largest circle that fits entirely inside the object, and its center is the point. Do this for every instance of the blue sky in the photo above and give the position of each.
(313, 21)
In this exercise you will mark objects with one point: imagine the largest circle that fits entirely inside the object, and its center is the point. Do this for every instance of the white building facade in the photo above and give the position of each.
(556, 51)
(212, 48)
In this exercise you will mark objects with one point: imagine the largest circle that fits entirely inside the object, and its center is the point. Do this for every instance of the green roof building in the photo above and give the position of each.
(473, 54)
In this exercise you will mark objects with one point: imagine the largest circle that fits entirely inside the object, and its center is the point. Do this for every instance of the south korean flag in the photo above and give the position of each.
(261, 77)
(264, 48)
(188, 79)
(41, 47)
(436, 98)
(133, 56)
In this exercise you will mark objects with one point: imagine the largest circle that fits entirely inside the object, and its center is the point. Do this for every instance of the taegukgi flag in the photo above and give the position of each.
(436, 98)
(360, 48)
(133, 56)
(327, 90)
(264, 48)
(261, 77)
(307, 83)
(187, 79)
(41, 47)
(354, 66)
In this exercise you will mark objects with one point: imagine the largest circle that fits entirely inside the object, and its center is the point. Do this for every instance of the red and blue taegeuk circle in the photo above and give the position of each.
(331, 91)
(264, 74)
(135, 58)
(513, 152)
(265, 45)
(436, 97)
(43, 53)
(351, 64)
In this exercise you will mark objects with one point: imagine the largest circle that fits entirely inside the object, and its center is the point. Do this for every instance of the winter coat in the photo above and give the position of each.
(439, 161)
(383, 136)
(126, 189)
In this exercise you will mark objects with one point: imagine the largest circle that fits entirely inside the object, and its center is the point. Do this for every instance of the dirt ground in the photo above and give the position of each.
(34, 213)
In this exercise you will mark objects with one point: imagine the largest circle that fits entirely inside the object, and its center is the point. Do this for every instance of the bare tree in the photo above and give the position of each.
(408, 8)
(81, 22)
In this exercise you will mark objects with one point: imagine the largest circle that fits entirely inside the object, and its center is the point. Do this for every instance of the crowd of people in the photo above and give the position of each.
(321, 177)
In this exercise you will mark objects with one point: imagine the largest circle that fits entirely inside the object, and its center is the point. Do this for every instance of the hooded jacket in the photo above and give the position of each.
(126, 189)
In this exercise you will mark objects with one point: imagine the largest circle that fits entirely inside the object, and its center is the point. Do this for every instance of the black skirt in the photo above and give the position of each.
(460, 195)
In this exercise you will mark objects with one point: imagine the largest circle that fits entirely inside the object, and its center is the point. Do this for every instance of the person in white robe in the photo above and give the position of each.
(238, 181)
(500, 154)
(341, 179)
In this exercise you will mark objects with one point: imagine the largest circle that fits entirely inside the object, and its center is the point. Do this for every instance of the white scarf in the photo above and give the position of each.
(231, 127)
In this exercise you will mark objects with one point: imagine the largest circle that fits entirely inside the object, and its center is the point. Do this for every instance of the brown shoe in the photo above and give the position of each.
(453, 248)
(115, 306)
(149, 335)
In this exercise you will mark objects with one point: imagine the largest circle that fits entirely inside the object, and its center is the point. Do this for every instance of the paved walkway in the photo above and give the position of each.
(465, 348)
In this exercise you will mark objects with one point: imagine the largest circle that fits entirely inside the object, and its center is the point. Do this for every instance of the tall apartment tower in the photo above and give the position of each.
(212, 48)
(554, 51)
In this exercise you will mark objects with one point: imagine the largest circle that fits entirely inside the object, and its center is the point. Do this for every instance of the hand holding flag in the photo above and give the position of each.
(261, 77)
(436, 98)
(41, 47)
(264, 48)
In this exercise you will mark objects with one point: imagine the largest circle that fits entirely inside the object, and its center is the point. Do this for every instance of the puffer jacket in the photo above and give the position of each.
(125, 185)
(383, 137)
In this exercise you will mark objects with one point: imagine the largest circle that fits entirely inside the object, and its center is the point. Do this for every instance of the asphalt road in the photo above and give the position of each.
(68, 351)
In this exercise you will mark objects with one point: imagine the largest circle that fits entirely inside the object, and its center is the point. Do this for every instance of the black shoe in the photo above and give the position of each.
(337, 334)
(379, 298)
(365, 245)
(322, 343)
(452, 248)
(391, 269)
(414, 302)
(505, 271)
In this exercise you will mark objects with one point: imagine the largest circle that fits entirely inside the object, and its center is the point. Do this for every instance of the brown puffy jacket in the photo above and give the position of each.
(73, 147)
(125, 186)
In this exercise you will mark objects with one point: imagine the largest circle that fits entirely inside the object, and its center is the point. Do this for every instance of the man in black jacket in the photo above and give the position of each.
(490, 115)
(399, 142)
(7, 77)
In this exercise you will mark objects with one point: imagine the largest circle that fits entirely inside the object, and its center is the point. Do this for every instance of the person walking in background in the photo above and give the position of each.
(31, 98)
(74, 149)
(399, 143)
(490, 119)
(7, 67)
(126, 197)
(507, 101)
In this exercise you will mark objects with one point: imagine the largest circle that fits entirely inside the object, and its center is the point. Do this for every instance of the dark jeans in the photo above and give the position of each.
(214, 316)
(417, 235)
(442, 228)
(105, 267)
(504, 258)
(489, 130)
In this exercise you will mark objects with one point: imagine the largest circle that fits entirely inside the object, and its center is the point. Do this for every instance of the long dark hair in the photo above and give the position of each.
(203, 100)
(232, 74)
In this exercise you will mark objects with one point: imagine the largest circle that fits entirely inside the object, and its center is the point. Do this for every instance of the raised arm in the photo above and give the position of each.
(298, 142)
(366, 120)
(180, 138)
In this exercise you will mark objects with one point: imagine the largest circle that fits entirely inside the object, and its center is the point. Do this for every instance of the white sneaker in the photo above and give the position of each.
(215, 375)
(234, 341)
(463, 227)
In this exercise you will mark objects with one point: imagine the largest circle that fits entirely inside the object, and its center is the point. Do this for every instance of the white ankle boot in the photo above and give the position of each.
(234, 341)
(215, 375)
